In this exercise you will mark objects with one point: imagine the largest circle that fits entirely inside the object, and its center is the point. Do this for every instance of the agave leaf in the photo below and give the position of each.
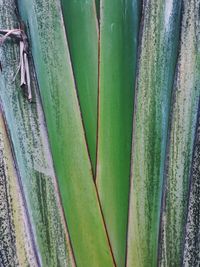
(191, 246)
(181, 138)
(26, 126)
(16, 247)
(119, 24)
(157, 60)
(65, 131)
(82, 34)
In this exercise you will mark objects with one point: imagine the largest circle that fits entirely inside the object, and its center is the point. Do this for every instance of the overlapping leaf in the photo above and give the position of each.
(181, 138)
(26, 126)
(119, 27)
(16, 247)
(82, 33)
(65, 131)
(85, 55)
(157, 60)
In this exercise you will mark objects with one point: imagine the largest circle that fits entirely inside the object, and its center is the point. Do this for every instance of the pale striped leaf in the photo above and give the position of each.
(26, 126)
(157, 60)
(181, 138)
(16, 244)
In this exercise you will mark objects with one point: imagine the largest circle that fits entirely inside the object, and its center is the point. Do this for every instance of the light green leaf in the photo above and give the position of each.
(65, 131)
(119, 26)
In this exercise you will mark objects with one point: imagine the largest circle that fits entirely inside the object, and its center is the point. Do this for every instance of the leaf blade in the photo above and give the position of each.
(16, 243)
(82, 35)
(119, 25)
(156, 67)
(26, 126)
(63, 117)
(181, 139)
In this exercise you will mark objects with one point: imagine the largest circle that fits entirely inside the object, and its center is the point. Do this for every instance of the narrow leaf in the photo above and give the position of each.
(26, 125)
(119, 26)
(16, 247)
(181, 138)
(157, 60)
(82, 34)
(65, 130)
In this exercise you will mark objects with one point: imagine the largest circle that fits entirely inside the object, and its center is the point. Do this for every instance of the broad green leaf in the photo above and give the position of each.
(26, 126)
(16, 248)
(181, 138)
(119, 26)
(65, 131)
(156, 67)
(82, 34)
(191, 246)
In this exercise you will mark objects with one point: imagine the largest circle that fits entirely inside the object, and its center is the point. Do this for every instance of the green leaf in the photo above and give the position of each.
(181, 138)
(65, 130)
(16, 248)
(156, 67)
(119, 26)
(82, 34)
(26, 126)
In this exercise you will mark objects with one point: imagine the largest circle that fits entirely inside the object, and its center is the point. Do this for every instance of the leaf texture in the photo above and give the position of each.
(16, 246)
(181, 139)
(65, 131)
(191, 248)
(156, 68)
(26, 126)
